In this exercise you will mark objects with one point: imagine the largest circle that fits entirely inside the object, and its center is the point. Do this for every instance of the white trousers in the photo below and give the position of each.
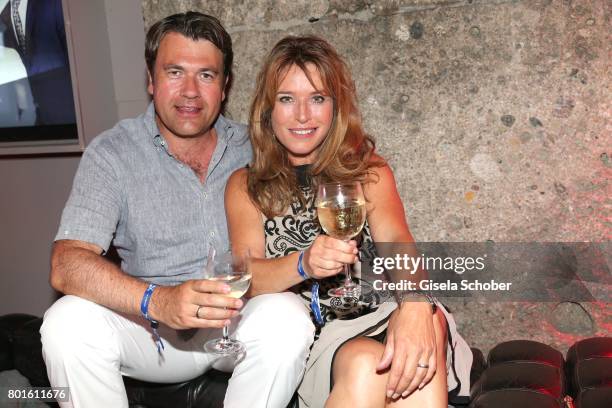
(88, 347)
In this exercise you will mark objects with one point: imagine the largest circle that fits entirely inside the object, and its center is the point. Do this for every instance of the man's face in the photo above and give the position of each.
(187, 85)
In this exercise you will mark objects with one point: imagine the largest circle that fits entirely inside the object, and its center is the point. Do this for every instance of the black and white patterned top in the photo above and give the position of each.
(295, 230)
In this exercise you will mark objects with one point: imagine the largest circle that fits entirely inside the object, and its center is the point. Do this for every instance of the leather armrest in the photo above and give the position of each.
(479, 365)
(525, 350)
(27, 349)
(592, 373)
(589, 365)
(594, 398)
(205, 391)
(515, 399)
(590, 348)
(8, 324)
(520, 375)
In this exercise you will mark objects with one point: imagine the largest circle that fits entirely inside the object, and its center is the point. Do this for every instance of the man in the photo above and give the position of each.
(35, 29)
(154, 186)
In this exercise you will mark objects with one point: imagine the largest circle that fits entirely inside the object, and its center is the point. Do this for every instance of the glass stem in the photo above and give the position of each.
(348, 281)
(347, 273)
(225, 333)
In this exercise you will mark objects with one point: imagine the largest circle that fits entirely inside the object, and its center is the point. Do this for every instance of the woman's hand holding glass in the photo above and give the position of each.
(327, 256)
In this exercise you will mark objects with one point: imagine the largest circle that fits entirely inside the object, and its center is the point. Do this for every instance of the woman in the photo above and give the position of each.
(305, 129)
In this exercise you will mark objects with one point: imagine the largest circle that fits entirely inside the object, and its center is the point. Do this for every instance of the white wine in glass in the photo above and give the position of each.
(238, 282)
(234, 270)
(342, 213)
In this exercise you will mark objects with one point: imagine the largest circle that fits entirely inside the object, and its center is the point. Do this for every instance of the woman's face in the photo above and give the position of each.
(302, 114)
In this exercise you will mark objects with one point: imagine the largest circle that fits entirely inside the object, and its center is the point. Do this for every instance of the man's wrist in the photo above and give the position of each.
(154, 303)
(145, 301)
(144, 310)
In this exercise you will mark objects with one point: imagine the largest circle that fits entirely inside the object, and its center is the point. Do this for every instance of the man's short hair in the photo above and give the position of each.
(193, 25)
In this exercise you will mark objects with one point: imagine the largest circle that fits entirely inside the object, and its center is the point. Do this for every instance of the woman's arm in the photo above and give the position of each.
(410, 335)
(387, 221)
(386, 215)
(325, 256)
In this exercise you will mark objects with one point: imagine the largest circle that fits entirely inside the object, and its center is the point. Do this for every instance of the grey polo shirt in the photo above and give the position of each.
(129, 190)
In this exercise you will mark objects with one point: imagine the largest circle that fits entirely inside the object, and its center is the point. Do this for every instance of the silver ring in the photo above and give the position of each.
(419, 365)
(198, 312)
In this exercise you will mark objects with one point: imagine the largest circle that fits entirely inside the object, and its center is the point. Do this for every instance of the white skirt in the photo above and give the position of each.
(316, 385)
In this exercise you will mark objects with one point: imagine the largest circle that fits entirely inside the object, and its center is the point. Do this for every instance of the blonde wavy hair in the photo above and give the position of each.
(346, 154)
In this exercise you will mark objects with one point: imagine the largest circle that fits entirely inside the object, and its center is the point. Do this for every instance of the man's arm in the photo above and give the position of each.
(77, 268)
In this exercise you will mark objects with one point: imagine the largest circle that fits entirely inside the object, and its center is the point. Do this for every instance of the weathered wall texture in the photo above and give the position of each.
(495, 116)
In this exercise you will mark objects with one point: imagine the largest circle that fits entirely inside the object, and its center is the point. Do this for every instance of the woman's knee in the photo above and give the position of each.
(357, 360)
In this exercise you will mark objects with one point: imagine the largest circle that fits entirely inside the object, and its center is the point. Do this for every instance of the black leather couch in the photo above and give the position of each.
(589, 372)
(520, 373)
(524, 373)
(20, 349)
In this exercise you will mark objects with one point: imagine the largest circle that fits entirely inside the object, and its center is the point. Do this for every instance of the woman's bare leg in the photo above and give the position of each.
(358, 384)
(434, 393)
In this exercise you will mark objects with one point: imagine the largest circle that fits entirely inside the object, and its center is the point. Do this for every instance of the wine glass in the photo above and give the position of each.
(342, 213)
(234, 270)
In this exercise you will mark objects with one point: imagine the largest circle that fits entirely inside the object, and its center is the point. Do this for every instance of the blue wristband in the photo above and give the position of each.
(144, 309)
(315, 306)
(300, 267)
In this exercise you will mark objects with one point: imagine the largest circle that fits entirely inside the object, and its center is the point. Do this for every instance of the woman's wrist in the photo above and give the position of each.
(300, 267)
(417, 300)
(305, 265)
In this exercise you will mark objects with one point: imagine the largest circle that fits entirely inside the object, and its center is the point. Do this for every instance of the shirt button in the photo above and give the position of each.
(205, 195)
(212, 233)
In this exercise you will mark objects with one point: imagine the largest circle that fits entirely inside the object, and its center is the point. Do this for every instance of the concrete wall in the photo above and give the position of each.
(495, 116)
(33, 190)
